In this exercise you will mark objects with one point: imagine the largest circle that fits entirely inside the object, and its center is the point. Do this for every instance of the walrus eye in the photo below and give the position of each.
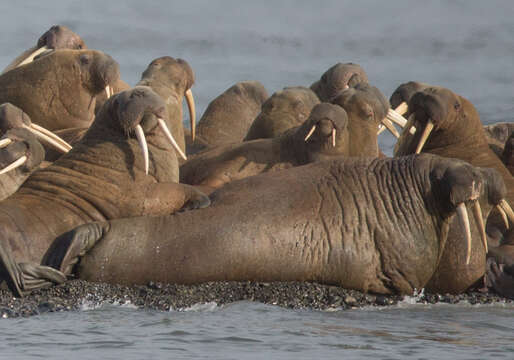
(456, 106)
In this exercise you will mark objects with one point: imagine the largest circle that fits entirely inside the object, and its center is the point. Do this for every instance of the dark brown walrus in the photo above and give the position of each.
(449, 125)
(58, 90)
(229, 116)
(172, 80)
(372, 225)
(57, 37)
(213, 168)
(284, 110)
(338, 78)
(102, 177)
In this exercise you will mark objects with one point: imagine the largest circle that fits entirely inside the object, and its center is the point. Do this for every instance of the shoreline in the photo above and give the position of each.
(72, 295)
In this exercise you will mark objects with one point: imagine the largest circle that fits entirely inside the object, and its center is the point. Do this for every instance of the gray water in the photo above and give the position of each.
(467, 46)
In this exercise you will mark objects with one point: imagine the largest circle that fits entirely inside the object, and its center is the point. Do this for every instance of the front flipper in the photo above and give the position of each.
(67, 249)
(168, 198)
(23, 278)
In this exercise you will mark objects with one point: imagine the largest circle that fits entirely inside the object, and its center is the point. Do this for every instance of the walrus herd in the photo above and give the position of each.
(100, 181)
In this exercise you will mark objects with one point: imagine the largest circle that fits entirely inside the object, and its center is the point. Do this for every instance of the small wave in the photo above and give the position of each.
(201, 307)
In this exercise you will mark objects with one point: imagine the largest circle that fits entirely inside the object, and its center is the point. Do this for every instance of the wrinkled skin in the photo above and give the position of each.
(282, 111)
(58, 37)
(24, 144)
(335, 222)
(458, 133)
(101, 178)
(58, 90)
(214, 168)
(228, 117)
(338, 78)
(170, 78)
(366, 106)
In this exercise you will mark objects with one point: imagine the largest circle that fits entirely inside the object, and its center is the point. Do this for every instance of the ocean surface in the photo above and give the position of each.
(465, 45)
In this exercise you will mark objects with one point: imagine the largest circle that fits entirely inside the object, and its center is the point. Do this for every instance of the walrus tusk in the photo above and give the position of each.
(395, 117)
(381, 129)
(462, 214)
(424, 136)
(334, 137)
(311, 131)
(31, 57)
(389, 125)
(108, 91)
(142, 142)
(49, 137)
(477, 213)
(5, 142)
(14, 165)
(170, 137)
(402, 108)
(192, 112)
(505, 209)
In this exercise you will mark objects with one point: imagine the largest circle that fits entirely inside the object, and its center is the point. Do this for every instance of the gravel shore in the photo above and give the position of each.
(74, 294)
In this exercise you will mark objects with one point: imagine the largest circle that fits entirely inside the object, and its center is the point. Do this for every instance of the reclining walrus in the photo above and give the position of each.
(373, 225)
(114, 171)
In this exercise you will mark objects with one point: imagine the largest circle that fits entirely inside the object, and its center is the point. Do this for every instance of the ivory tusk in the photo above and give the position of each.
(49, 137)
(310, 133)
(389, 125)
(14, 165)
(381, 129)
(479, 221)
(462, 214)
(142, 142)
(504, 216)
(31, 57)
(402, 108)
(504, 205)
(192, 112)
(396, 118)
(170, 138)
(108, 91)
(424, 136)
(5, 142)
(334, 137)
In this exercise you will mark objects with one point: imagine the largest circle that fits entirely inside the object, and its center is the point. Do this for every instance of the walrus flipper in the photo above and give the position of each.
(67, 249)
(23, 278)
(196, 199)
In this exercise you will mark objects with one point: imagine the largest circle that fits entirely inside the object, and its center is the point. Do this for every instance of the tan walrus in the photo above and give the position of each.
(114, 171)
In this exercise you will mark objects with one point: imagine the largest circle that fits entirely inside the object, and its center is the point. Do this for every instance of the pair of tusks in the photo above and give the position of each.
(462, 213)
(31, 57)
(396, 116)
(144, 146)
(43, 134)
(313, 128)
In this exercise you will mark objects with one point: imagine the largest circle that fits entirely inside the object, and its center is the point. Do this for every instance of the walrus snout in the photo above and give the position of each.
(108, 71)
(338, 78)
(12, 117)
(428, 106)
(60, 37)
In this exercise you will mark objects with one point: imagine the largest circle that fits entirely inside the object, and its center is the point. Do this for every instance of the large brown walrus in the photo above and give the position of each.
(172, 80)
(373, 225)
(105, 176)
(298, 146)
(284, 110)
(229, 116)
(449, 125)
(58, 90)
(338, 78)
(58, 37)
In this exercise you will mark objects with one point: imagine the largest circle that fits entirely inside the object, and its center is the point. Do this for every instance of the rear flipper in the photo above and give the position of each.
(23, 278)
(67, 249)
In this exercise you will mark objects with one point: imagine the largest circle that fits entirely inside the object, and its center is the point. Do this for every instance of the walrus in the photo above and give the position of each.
(172, 80)
(58, 90)
(284, 110)
(497, 135)
(375, 225)
(508, 154)
(322, 135)
(338, 78)
(20, 155)
(229, 116)
(124, 166)
(57, 37)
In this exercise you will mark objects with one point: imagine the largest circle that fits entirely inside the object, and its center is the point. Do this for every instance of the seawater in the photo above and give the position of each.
(464, 45)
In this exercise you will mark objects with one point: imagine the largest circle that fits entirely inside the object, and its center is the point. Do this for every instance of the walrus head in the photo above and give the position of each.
(98, 70)
(441, 118)
(56, 38)
(175, 75)
(128, 110)
(12, 117)
(338, 78)
(19, 149)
